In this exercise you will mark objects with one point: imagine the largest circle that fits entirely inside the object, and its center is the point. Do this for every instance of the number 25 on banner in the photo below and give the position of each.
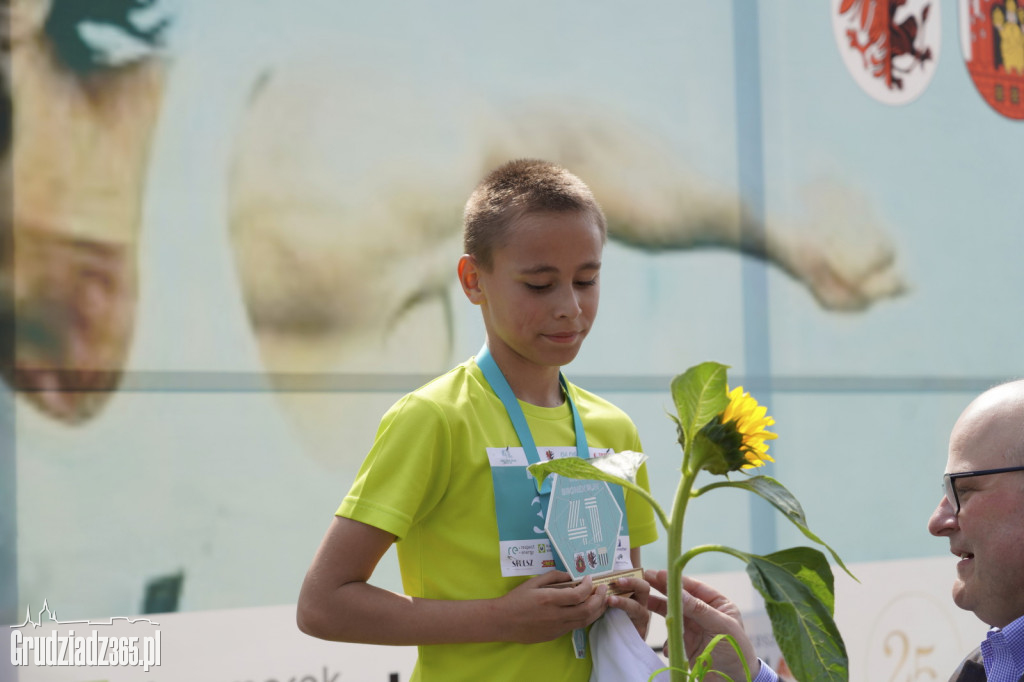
(911, 640)
(911, 661)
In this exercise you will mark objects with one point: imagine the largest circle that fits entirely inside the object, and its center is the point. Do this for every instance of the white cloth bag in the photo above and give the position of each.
(619, 653)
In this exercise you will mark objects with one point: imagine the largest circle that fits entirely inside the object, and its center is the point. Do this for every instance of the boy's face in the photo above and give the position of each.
(540, 296)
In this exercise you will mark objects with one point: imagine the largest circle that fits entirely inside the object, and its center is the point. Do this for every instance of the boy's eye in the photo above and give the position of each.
(547, 286)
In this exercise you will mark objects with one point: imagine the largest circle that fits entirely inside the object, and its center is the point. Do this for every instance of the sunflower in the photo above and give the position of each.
(735, 439)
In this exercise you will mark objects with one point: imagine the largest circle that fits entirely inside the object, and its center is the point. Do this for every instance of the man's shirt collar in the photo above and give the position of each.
(1003, 652)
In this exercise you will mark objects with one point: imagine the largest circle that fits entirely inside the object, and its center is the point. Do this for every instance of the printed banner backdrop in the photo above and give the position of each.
(896, 624)
(232, 255)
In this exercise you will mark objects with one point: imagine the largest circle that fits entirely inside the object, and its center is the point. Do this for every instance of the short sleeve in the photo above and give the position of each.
(407, 470)
(643, 526)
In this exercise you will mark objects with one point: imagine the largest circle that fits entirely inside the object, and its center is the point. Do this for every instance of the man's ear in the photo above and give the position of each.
(469, 278)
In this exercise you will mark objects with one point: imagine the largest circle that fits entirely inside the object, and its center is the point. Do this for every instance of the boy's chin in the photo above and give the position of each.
(562, 357)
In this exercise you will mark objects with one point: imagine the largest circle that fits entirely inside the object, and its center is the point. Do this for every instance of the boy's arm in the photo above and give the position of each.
(337, 603)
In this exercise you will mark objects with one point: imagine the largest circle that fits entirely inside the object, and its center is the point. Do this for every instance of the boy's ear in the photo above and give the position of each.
(469, 278)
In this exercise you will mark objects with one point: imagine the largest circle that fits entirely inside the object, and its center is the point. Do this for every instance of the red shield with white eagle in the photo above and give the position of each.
(992, 41)
(890, 47)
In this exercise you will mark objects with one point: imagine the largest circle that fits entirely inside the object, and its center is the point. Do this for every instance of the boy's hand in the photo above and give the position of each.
(534, 612)
(635, 606)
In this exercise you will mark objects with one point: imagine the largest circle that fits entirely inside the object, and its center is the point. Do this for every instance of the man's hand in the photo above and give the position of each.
(706, 614)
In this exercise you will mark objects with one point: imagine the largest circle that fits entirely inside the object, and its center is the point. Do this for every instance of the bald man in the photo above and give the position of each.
(982, 515)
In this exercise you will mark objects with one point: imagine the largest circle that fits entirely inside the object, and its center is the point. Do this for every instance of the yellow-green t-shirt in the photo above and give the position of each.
(428, 481)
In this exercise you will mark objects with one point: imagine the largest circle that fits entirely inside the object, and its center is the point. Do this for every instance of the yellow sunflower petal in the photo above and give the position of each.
(739, 434)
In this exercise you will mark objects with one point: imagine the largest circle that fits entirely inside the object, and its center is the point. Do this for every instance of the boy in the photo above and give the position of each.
(533, 240)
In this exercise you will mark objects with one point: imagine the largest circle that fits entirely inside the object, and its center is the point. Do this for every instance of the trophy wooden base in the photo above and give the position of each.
(608, 579)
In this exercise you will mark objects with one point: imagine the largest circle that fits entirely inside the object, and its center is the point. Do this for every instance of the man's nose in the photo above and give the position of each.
(943, 519)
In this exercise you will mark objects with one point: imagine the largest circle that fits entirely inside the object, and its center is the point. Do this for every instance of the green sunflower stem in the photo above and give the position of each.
(683, 559)
(674, 622)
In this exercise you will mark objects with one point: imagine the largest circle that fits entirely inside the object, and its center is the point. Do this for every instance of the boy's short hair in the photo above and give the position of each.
(514, 189)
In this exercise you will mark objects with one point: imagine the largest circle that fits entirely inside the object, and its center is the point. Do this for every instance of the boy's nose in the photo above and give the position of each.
(569, 305)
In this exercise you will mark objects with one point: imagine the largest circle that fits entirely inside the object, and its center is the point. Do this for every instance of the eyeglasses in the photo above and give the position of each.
(949, 482)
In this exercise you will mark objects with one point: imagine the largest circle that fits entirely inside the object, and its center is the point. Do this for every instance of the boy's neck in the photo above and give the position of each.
(531, 383)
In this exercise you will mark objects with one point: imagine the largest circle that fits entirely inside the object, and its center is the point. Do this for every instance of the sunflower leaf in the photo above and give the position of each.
(792, 583)
(704, 663)
(574, 467)
(783, 500)
(812, 569)
(700, 393)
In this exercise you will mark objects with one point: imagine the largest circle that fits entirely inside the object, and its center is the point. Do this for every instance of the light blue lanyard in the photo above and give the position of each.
(499, 384)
